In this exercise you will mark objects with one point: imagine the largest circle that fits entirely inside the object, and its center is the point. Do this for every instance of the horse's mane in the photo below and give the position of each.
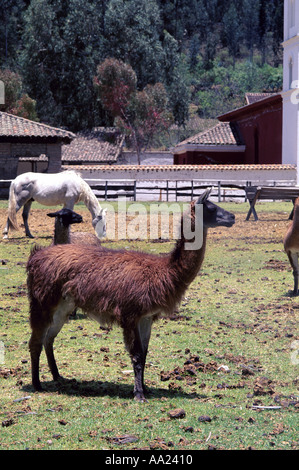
(88, 197)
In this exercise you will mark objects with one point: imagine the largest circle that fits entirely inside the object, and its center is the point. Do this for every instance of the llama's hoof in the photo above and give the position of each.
(29, 235)
(60, 380)
(38, 388)
(140, 398)
(5, 237)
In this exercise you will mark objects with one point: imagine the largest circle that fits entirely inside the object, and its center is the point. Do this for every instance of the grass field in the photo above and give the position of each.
(228, 357)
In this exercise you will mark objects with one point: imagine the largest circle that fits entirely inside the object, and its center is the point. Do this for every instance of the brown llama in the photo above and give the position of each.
(62, 234)
(127, 288)
(291, 245)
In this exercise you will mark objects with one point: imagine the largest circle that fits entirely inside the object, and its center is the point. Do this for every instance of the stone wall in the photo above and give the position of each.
(238, 174)
(54, 158)
(147, 158)
(10, 166)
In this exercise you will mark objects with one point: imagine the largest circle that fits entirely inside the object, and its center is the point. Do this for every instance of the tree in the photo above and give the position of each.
(139, 114)
(231, 30)
(251, 13)
(133, 35)
(179, 97)
(62, 45)
(11, 28)
(16, 101)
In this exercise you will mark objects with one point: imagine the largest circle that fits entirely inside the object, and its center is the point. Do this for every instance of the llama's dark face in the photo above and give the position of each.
(67, 217)
(213, 215)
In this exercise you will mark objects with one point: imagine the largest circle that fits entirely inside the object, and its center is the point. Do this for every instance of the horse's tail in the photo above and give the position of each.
(12, 213)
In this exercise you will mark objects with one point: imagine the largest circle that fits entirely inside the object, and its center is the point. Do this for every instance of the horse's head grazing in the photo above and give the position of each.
(99, 224)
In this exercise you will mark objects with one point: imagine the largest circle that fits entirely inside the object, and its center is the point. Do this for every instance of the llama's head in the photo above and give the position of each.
(66, 217)
(99, 224)
(213, 215)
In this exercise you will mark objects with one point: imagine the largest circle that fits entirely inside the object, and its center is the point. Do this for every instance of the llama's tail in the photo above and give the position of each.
(12, 213)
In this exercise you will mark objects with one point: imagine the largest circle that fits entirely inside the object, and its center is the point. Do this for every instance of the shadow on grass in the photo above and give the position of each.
(92, 388)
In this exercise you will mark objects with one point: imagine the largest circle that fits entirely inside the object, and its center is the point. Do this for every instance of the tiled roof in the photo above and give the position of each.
(221, 134)
(100, 145)
(254, 97)
(12, 126)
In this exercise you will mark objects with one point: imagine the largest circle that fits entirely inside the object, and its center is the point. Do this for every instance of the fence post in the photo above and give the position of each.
(106, 188)
(135, 191)
(219, 191)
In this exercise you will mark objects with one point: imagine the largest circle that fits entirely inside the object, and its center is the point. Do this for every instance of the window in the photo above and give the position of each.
(290, 72)
(291, 13)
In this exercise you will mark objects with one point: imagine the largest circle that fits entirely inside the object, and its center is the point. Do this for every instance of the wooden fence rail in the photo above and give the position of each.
(162, 190)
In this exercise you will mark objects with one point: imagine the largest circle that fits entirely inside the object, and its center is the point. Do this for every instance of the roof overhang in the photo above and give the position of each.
(13, 139)
(250, 108)
(208, 148)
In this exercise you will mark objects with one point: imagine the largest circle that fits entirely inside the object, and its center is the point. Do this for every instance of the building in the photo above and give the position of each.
(24, 142)
(248, 135)
(218, 145)
(290, 96)
(99, 146)
(259, 125)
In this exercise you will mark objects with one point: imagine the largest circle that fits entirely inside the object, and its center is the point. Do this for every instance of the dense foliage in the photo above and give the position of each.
(139, 114)
(208, 52)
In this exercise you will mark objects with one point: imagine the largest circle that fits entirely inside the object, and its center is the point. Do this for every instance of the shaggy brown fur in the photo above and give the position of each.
(128, 288)
(291, 245)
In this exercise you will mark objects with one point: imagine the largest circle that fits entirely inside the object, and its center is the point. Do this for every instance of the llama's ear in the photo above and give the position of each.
(52, 214)
(204, 196)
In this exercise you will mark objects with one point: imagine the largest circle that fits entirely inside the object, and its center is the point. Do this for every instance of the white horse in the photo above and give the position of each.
(65, 188)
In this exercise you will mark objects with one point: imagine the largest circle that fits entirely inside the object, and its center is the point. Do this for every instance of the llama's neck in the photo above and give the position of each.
(187, 262)
(61, 233)
(296, 218)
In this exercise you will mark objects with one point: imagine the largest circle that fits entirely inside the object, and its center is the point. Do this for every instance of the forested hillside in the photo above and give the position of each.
(207, 54)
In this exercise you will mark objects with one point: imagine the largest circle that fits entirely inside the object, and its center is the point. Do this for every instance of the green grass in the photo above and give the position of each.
(237, 313)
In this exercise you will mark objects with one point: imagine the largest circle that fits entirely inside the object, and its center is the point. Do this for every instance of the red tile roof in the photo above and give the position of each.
(12, 126)
(254, 97)
(221, 134)
(101, 145)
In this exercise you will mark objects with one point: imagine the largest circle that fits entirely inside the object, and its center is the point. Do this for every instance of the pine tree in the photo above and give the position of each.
(251, 13)
(62, 47)
(231, 30)
(133, 35)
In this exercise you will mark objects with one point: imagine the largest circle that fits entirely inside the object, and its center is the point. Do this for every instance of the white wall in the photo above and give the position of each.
(290, 137)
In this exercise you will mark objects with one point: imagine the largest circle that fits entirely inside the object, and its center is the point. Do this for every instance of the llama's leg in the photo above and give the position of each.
(136, 340)
(25, 215)
(35, 348)
(293, 258)
(62, 312)
(145, 328)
